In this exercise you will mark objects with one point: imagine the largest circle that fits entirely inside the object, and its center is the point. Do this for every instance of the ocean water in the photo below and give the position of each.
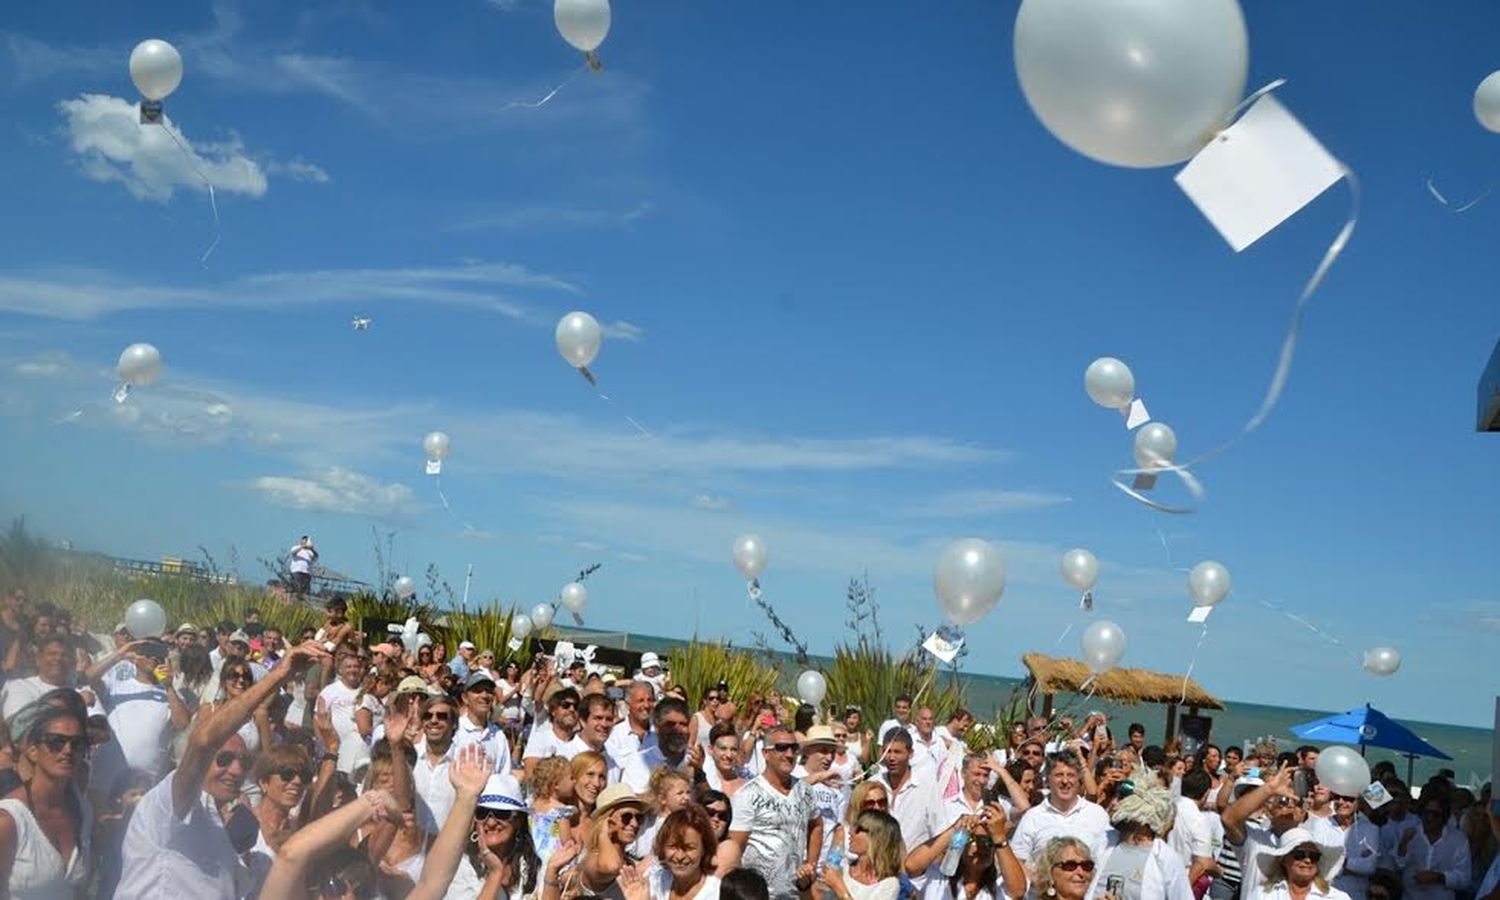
(1471, 748)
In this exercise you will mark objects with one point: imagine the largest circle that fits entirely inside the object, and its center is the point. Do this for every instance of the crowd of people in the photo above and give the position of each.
(229, 761)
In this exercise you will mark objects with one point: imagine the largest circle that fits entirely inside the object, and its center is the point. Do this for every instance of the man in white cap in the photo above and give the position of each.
(459, 665)
(651, 672)
(475, 727)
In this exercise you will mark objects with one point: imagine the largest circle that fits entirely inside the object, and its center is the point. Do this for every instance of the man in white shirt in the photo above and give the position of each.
(914, 799)
(475, 727)
(338, 697)
(439, 716)
(970, 799)
(1435, 863)
(673, 749)
(176, 847)
(555, 737)
(1359, 837)
(302, 557)
(634, 733)
(927, 751)
(593, 734)
(1064, 813)
(775, 820)
(1279, 803)
(1191, 835)
(901, 720)
(142, 712)
(54, 669)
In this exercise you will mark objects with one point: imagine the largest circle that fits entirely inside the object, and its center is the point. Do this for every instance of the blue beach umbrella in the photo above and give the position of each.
(1367, 726)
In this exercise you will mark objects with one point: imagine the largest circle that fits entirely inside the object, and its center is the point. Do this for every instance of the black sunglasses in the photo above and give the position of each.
(243, 675)
(629, 817)
(568, 704)
(288, 773)
(720, 814)
(1301, 855)
(226, 758)
(1073, 865)
(505, 815)
(440, 715)
(56, 742)
(784, 747)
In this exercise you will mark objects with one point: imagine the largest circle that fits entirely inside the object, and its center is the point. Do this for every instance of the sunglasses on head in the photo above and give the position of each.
(504, 815)
(1301, 855)
(289, 773)
(56, 742)
(226, 758)
(1073, 865)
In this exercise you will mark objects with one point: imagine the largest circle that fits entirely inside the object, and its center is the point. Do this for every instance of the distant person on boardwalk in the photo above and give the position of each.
(303, 556)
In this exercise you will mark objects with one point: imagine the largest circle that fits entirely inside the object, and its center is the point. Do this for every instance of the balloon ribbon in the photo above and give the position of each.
(1462, 207)
(538, 104)
(213, 203)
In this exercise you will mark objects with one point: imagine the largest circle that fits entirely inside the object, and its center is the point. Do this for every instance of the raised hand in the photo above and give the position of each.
(323, 727)
(470, 770)
(563, 856)
(997, 822)
(305, 654)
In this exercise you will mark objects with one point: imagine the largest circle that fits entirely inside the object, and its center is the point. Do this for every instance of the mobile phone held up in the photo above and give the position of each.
(1114, 885)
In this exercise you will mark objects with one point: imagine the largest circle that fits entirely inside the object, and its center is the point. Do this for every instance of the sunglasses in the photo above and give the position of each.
(568, 704)
(437, 715)
(721, 814)
(237, 676)
(56, 742)
(1283, 801)
(1300, 855)
(226, 758)
(875, 804)
(860, 829)
(713, 698)
(629, 817)
(1073, 865)
(784, 747)
(504, 815)
(289, 773)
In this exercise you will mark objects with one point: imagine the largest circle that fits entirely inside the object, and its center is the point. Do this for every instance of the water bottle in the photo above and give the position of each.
(835, 858)
(954, 853)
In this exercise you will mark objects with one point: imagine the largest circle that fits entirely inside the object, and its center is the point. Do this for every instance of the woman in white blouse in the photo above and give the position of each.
(1297, 868)
(684, 850)
(876, 852)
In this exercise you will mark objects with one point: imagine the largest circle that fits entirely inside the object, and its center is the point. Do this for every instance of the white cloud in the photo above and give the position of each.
(711, 503)
(621, 330)
(980, 503)
(298, 169)
(44, 365)
(555, 218)
(33, 60)
(338, 490)
(106, 134)
(590, 546)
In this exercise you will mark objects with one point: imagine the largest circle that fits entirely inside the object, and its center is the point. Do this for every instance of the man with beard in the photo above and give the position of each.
(776, 822)
(438, 717)
(475, 727)
(555, 738)
(673, 750)
(176, 845)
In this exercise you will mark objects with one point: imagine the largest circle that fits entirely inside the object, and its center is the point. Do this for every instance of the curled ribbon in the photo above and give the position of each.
(537, 104)
(213, 203)
(1462, 207)
(1283, 364)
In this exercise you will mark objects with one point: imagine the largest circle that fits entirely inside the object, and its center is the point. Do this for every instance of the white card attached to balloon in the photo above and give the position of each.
(943, 648)
(434, 467)
(1258, 173)
(1136, 414)
(1200, 613)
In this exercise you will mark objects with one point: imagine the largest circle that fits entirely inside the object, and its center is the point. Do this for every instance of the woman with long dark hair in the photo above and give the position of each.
(500, 860)
(45, 824)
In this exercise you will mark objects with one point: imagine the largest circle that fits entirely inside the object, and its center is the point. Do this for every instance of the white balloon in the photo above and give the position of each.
(424, 640)
(156, 68)
(139, 364)
(968, 581)
(750, 555)
(812, 687)
(520, 625)
(405, 588)
(578, 337)
(1109, 382)
(1382, 661)
(145, 619)
(1080, 569)
(1487, 102)
(1155, 445)
(573, 597)
(1137, 83)
(436, 445)
(1208, 583)
(541, 616)
(582, 23)
(1103, 645)
(1342, 770)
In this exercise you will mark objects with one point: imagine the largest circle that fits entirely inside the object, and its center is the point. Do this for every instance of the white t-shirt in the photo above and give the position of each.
(659, 882)
(302, 560)
(19, 692)
(434, 791)
(139, 716)
(1086, 821)
(339, 699)
(1191, 835)
(545, 743)
(491, 737)
(167, 858)
(636, 770)
(777, 825)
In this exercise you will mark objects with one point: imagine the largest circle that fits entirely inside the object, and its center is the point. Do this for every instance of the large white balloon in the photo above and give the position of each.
(139, 364)
(1136, 83)
(812, 687)
(1382, 661)
(520, 625)
(156, 68)
(1080, 569)
(1343, 771)
(1103, 645)
(1155, 445)
(1487, 102)
(1109, 382)
(1208, 583)
(541, 616)
(405, 588)
(578, 338)
(436, 445)
(968, 580)
(145, 619)
(573, 597)
(750, 555)
(582, 23)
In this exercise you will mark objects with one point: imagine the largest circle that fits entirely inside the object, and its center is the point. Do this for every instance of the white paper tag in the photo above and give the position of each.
(1376, 795)
(434, 466)
(1257, 173)
(1135, 414)
(1200, 613)
(942, 648)
(122, 393)
(514, 644)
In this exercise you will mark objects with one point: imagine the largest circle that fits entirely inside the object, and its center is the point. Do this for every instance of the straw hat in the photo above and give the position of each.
(615, 796)
(819, 734)
(1270, 857)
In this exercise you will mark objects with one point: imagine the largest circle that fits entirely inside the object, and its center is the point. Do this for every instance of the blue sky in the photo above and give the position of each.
(852, 285)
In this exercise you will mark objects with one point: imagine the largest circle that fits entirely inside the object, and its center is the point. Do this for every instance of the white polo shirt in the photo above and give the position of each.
(623, 742)
(171, 858)
(491, 737)
(918, 808)
(1086, 821)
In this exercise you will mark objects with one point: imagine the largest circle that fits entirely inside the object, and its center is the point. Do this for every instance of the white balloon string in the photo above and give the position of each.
(1311, 627)
(468, 528)
(538, 104)
(213, 203)
(1463, 207)
(1066, 631)
(629, 418)
(1283, 364)
(1192, 663)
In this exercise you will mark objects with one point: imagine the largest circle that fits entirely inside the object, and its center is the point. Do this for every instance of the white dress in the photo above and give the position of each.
(38, 872)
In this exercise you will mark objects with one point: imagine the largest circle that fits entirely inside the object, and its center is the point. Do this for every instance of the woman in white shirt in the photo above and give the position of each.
(987, 860)
(501, 860)
(684, 850)
(1144, 866)
(873, 871)
(45, 824)
(1434, 860)
(1297, 868)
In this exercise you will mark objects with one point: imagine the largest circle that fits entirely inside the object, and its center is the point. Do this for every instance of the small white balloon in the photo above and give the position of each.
(1487, 102)
(405, 587)
(582, 23)
(1208, 583)
(156, 68)
(1103, 645)
(750, 555)
(424, 640)
(1138, 83)
(436, 445)
(541, 616)
(520, 625)
(1155, 445)
(1080, 569)
(573, 597)
(145, 619)
(1343, 771)
(968, 580)
(1382, 661)
(1109, 383)
(139, 364)
(578, 338)
(812, 687)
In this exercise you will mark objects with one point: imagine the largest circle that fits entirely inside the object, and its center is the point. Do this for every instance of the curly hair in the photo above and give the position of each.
(1041, 879)
(547, 774)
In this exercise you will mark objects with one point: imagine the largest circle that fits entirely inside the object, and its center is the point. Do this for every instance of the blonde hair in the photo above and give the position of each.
(660, 780)
(547, 774)
(884, 834)
(857, 799)
(1041, 879)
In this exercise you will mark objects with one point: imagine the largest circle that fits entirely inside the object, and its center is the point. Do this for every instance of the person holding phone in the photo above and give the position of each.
(1136, 863)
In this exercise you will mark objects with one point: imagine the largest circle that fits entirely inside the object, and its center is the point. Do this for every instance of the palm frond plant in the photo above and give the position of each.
(489, 629)
(699, 665)
(364, 605)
